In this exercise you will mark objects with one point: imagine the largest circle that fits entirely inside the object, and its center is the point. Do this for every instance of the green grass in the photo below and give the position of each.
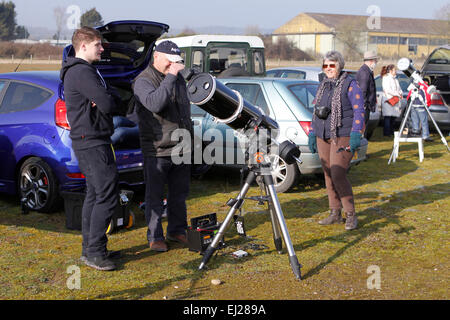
(403, 212)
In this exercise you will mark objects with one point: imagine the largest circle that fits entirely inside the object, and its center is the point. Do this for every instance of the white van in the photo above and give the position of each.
(223, 55)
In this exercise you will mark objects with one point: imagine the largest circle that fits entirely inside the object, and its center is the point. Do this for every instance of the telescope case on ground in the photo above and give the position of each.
(201, 232)
(73, 205)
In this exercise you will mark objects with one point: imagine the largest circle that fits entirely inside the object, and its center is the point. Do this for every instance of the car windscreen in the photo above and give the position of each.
(305, 93)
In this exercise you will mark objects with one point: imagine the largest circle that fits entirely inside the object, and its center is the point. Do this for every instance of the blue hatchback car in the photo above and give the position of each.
(36, 158)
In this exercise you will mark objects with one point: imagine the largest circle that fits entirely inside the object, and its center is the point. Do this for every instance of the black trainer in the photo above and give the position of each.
(100, 263)
(110, 254)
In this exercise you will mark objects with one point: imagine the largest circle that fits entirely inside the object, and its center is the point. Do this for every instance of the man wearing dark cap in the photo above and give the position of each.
(163, 107)
(366, 82)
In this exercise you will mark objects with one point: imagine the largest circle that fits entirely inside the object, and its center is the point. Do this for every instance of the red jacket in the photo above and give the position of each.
(423, 87)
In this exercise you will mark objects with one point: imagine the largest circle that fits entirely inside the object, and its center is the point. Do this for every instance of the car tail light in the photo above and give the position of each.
(61, 114)
(436, 99)
(306, 126)
(77, 175)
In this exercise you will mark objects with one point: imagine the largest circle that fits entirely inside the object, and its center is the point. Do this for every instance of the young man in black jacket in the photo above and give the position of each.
(163, 108)
(89, 109)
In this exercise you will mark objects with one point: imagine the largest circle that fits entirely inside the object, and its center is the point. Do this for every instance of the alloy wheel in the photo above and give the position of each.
(34, 186)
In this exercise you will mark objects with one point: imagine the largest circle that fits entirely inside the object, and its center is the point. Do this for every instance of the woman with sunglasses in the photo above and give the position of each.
(337, 127)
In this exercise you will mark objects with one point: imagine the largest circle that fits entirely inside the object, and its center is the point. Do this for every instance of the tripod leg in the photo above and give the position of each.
(295, 265)
(444, 141)
(394, 153)
(273, 218)
(238, 203)
(275, 225)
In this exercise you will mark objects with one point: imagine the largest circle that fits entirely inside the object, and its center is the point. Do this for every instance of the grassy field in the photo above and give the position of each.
(8, 67)
(403, 211)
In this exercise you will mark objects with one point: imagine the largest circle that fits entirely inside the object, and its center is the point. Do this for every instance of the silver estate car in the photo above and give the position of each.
(289, 102)
(436, 69)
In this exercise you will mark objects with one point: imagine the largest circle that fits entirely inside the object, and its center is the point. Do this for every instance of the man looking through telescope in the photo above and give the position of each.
(163, 107)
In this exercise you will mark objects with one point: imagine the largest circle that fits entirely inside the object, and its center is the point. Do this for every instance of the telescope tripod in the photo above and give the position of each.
(414, 96)
(261, 173)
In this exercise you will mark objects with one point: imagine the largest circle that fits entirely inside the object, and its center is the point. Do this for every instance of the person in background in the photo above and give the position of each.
(337, 128)
(391, 102)
(419, 116)
(366, 82)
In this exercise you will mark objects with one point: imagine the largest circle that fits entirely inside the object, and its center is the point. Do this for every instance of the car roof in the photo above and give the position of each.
(48, 79)
(287, 81)
(202, 40)
(399, 72)
(307, 68)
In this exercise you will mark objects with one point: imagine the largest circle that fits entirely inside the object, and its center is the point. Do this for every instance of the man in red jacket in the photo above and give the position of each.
(419, 115)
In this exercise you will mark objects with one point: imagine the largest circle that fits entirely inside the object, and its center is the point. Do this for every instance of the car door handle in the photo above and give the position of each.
(196, 122)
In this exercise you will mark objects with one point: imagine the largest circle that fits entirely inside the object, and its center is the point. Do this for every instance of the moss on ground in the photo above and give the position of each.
(403, 229)
(403, 212)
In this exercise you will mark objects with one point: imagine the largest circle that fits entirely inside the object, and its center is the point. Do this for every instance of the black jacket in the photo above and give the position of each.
(366, 82)
(90, 125)
(321, 127)
(162, 107)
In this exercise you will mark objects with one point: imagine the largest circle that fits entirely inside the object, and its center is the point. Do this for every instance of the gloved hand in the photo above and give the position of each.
(355, 141)
(312, 142)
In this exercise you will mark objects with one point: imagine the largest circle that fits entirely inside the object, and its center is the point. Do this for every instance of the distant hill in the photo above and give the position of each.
(37, 33)
(217, 30)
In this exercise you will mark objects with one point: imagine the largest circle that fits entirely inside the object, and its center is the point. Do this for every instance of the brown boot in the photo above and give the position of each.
(159, 246)
(351, 221)
(334, 217)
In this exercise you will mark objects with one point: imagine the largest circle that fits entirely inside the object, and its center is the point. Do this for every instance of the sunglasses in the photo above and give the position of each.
(332, 66)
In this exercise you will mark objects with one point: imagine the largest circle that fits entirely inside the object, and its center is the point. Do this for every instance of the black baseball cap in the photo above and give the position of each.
(173, 53)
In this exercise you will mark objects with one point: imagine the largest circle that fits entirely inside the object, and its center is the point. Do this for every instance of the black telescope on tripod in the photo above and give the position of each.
(228, 107)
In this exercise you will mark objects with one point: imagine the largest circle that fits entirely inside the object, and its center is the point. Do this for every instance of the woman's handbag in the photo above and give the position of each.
(393, 101)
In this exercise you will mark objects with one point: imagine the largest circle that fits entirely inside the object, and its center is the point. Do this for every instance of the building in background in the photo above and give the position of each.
(317, 33)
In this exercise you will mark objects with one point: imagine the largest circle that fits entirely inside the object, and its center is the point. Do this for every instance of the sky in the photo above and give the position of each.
(266, 14)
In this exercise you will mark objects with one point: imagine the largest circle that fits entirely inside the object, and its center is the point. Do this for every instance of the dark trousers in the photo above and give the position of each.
(335, 165)
(161, 171)
(388, 126)
(366, 116)
(99, 167)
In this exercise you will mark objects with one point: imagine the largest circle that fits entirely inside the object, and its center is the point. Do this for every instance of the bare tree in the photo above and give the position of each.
(59, 14)
(349, 33)
(443, 13)
(252, 30)
(186, 32)
(442, 23)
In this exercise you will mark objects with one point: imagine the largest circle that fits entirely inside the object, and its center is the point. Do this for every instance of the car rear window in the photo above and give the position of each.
(21, 96)
(440, 56)
(251, 92)
(121, 52)
(305, 93)
(222, 58)
(293, 74)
